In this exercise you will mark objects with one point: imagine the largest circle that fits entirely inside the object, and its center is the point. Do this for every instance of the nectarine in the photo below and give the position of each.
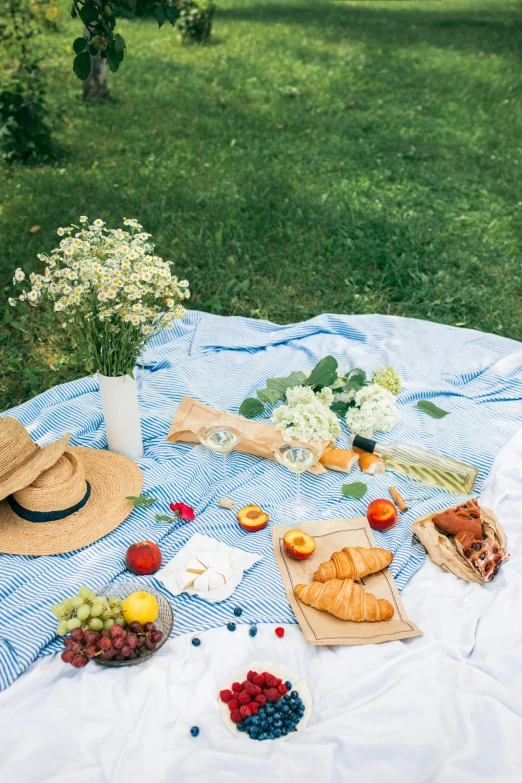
(298, 545)
(252, 518)
(382, 514)
(143, 558)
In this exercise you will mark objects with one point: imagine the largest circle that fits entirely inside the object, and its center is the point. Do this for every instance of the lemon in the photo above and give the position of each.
(140, 607)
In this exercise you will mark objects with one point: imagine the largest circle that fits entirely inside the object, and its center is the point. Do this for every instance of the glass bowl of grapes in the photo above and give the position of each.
(99, 632)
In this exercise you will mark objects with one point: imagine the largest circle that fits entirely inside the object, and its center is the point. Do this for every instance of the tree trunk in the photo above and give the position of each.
(96, 85)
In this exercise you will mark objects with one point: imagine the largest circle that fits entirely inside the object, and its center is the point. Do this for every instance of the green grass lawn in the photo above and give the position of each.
(319, 156)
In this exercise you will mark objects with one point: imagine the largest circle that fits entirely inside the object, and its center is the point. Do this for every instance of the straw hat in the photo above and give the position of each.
(78, 500)
(22, 460)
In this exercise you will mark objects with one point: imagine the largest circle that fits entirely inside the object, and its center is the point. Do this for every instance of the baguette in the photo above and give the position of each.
(341, 460)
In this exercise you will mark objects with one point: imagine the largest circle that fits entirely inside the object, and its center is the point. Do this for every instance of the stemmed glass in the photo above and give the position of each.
(297, 457)
(221, 438)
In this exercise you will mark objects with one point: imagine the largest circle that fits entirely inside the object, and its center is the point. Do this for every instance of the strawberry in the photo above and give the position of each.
(233, 704)
(225, 695)
(244, 711)
(235, 716)
(236, 687)
(243, 698)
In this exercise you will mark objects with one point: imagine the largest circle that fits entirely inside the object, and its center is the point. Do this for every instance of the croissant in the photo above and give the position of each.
(345, 599)
(353, 562)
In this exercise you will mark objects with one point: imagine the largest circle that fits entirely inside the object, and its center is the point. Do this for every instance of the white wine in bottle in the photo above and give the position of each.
(421, 464)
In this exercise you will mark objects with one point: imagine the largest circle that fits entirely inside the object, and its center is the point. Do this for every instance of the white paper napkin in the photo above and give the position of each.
(240, 562)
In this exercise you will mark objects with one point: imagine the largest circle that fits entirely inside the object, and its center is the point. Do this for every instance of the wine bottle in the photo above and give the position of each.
(421, 464)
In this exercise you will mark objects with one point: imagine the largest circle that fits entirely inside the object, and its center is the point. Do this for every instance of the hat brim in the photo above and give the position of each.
(44, 457)
(112, 477)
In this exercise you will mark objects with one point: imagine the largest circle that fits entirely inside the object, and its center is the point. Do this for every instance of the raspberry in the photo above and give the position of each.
(251, 675)
(253, 707)
(225, 695)
(236, 687)
(261, 699)
(271, 681)
(244, 711)
(243, 698)
(235, 716)
(259, 679)
(271, 694)
(282, 689)
(252, 690)
(280, 632)
(233, 704)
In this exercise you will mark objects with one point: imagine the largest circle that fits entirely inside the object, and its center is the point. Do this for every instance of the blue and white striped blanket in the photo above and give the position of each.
(477, 377)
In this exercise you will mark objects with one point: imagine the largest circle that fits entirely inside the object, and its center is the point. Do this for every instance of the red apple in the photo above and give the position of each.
(143, 558)
(298, 545)
(382, 514)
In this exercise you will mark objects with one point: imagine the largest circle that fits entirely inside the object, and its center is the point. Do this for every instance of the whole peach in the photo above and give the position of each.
(143, 558)
(382, 514)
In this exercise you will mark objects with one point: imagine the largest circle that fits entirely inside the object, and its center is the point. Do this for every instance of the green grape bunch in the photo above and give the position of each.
(87, 610)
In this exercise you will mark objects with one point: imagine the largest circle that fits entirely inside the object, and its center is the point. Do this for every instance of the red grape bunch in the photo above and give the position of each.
(115, 643)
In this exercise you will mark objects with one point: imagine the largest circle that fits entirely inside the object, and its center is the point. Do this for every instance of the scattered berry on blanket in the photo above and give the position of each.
(252, 630)
(235, 716)
(196, 642)
(243, 698)
(259, 679)
(236, 687)
(194, 731)
(280, 632)
(225, 695)
(238, 611)
(233, 704)
(231, 626)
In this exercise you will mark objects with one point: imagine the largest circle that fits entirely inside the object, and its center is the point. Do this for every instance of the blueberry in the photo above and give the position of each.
(238, 611)
(269, 709)
(288, 685)
(294, 695)
(196, 642)
(264, 725)
(252, 630)
(285, 709)
(194, 731)
(231, 626)
(261, 713)
(278, 722)
(241, 727)
(253, 734)
(270, 735)
(277, 733)
(284, 731)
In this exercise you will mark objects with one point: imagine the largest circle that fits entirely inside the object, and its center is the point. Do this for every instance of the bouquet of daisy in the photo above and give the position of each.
(112, 293)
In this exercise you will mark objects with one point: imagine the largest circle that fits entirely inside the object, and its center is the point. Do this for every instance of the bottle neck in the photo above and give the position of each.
(366, 444)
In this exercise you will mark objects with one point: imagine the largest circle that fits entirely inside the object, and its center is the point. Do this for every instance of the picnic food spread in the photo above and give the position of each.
(335, 576)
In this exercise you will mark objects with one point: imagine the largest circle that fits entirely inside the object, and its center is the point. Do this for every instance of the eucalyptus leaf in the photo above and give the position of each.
(357, 490)
(431, 409)
(324, 373)
(251, 407)
(141, 500)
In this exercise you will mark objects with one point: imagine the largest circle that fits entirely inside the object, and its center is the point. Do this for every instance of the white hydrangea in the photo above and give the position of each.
(347, 396)
(376, 411)
(307, 416)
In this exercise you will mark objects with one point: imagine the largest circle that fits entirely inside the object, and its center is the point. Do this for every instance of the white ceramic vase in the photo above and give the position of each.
(119, 397)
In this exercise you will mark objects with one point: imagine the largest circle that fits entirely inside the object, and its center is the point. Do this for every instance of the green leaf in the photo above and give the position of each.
(355, 379)
(119, 43)
(172, 13)
(356, 490)
(276, 388)
(142, 500)
(251, 407)
(340, 408)
(89, 12)
(324, 373)
(79, 45)
(159, 13)
(431, 409)
(164, 518)
(82, 65)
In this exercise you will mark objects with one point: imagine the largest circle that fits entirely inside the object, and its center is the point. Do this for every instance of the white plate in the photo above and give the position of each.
(278, 670)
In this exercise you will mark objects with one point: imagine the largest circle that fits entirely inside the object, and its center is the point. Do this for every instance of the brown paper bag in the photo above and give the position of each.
(321, 627)
(259, 438)
(443, 550)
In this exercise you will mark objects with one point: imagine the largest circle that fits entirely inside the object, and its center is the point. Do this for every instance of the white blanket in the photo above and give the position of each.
(445, 707)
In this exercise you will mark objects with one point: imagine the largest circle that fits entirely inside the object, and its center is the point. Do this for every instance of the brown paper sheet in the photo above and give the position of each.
(443, 550)
(321, 627)
(259, 437)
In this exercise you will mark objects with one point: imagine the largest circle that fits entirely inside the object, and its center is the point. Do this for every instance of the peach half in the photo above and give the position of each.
(298, 545)
(252, 518)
